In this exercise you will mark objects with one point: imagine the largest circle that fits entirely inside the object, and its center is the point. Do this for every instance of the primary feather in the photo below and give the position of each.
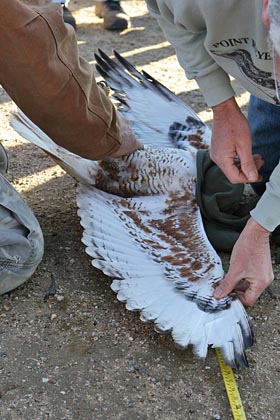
(159, 118)
(142, 226)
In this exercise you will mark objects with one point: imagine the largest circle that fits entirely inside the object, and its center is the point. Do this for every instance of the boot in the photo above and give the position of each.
(115, 19)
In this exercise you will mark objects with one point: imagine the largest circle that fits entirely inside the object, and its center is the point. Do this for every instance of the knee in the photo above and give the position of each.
(21, 239)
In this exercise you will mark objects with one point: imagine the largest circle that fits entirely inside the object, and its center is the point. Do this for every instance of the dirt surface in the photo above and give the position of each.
(80, 355)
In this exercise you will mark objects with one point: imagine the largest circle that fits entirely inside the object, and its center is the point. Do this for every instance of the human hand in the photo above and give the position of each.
(129, 141)
(250, 270)
(231, 144)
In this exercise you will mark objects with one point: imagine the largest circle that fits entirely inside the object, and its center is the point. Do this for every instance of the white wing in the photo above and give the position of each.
(158, 117)
(163, 265)
(142, 227)
(79, 168)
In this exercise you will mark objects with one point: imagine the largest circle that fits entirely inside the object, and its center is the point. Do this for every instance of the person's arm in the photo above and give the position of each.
(250, 260)
(187, 36)
(267, 210)
(250, 270)
(231, 135)
(231, 139)
(41, 70)
(129, 143)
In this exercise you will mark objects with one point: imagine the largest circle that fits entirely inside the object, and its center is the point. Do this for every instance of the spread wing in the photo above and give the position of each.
(142, 227)
(159, 118)
(162, 264)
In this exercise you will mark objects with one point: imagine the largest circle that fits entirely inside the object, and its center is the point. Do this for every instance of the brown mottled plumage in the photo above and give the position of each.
(142, 226)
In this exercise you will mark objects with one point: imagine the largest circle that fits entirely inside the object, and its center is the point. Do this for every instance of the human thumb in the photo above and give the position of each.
(250, 170)
(225, 287)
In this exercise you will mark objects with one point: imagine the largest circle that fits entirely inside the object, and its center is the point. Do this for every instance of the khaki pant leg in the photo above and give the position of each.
(42, 72)
(21, 239)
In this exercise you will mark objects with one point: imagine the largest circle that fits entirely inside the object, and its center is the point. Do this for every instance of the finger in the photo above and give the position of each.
(250, 296)
(259, 162)
(233, 172)
(248, 166)
(226, 286)
(250, 171)
(257, 156)
(242, 286)
(231, 167)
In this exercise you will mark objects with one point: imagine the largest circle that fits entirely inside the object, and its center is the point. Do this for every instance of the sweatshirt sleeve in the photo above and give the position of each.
(267, 211)
(193, 56)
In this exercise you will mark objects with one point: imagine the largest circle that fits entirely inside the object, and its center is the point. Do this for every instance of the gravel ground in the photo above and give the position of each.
(79, 355)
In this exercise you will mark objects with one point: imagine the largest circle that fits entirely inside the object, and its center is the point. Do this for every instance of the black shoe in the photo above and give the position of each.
(68, 17)
(115, 18)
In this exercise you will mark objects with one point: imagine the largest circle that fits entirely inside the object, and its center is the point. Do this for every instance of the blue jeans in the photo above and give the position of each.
(264, 121)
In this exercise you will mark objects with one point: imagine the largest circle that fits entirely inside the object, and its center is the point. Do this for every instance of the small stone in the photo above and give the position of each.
(185, 395)
(53, 316)
(59, 298)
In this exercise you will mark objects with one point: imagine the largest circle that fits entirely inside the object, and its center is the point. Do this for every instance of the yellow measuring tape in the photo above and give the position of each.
(231, 388)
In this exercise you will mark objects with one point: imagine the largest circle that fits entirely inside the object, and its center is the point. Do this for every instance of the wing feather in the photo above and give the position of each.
(145, 284)
(159, 118)
(142, 226)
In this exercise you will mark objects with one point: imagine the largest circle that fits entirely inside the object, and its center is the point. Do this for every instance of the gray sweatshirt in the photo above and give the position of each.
(217, 38)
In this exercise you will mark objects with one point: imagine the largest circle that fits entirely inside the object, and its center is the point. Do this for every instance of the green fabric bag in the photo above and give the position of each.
(221, 203)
